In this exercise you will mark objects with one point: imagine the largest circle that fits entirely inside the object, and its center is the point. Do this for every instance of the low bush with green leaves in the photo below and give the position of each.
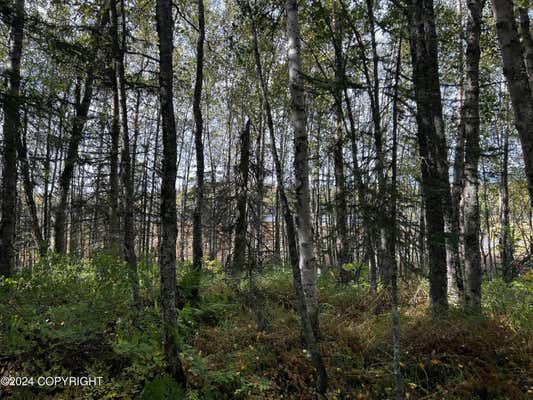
(511, 302)
(74, 317)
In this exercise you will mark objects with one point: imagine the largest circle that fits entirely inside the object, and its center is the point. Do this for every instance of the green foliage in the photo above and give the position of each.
(74, 318)
(511, 302)
(61, 300)
(163, 388)
(359, 271)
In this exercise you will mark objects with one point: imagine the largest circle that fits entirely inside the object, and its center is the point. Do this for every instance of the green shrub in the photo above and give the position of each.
(511, 302)
(163, 388)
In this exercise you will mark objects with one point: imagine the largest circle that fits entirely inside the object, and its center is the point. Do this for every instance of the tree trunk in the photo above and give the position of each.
(151, 200)
(431, 141)
(58, 157)
(453, 256)
(119, 49)
(362, 199)
(527, 41)
(76, 212)
(380, 203)
(276, 256)
(391, 262)
(96, 223)
(490, 263)
(241, 226)
(307, 327)
(259, 195)
(167, 256)
(375, 232)
(516, 76)
(214, 202)
(114, 223)
(78, 125)
(11, 131)
(341, 211)
(316, 199)
(301, 167)
(422, 259)
(197, 252)
(472, 152)
(530, 223)
(505, 233)
(183, 209)
(143, 250)
(46, 182)
(27, 182)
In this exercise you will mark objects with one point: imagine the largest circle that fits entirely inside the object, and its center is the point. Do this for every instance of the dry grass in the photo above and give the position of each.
(456, 356)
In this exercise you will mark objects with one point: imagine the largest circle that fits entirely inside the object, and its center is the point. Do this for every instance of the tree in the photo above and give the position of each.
(114, 189)
(514, 70)
(527, 41)
(505, 233)
(455, 220)
(472, 153)
(374, 94)
(22, 150)
(126, 171)
(82, 104)
(431, 140)
(392, 237)
(307, 262)
(338, 159)
(241, 226)
(198, 141)
(167, 254)
(12, 133)
(301, 168)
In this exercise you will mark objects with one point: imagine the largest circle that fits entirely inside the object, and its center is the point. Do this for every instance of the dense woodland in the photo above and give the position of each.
(251, 199)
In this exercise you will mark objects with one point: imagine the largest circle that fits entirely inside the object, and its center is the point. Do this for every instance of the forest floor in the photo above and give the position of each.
(74, 319)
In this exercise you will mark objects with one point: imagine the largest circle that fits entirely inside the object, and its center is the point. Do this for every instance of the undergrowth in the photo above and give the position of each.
(74, 319)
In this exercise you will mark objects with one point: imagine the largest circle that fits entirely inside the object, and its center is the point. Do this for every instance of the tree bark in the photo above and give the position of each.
(307, 328)
(46, 182)
(390, 253)
(58, 157)
(151, 200)
(257, 258)
(12, 130)
(527, 41)
(505, 233)
(197, 252)
(241, 226)
(167, 255)
(183, 209)
(472, 153)
(514, 70)
(301, 167)
(114, 222)
(341, 210)
(380, 203)
(126, 175)
(214, 202)
(76, 211)
(96, 223)
(431, 141)
(454, 250)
